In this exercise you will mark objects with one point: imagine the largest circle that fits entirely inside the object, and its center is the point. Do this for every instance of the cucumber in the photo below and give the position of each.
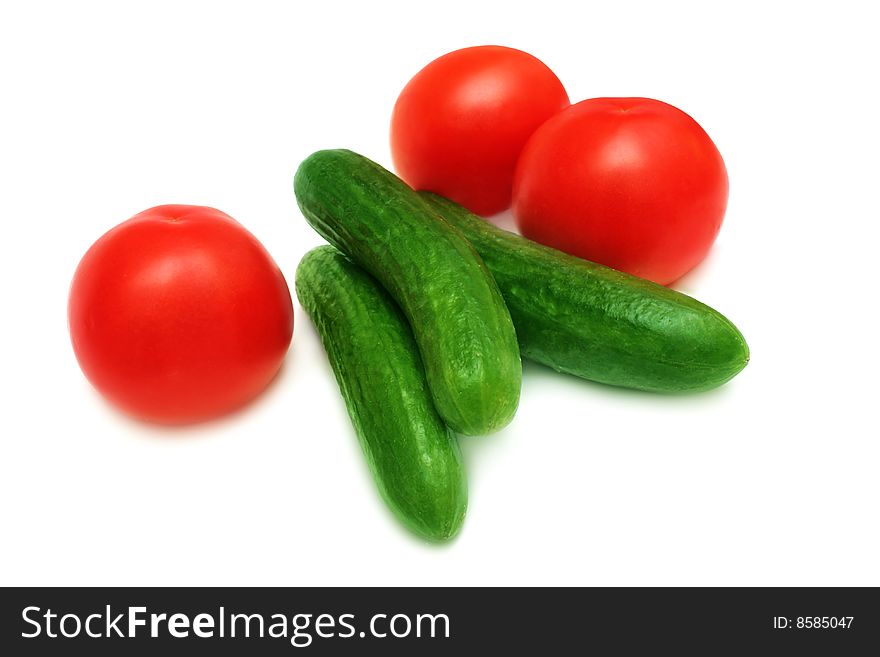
(597, 323)
(460, 322)
(413, 456)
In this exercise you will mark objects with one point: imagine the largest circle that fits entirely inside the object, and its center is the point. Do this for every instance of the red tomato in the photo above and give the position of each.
(179, 314)
(632, 183)
(461, 122)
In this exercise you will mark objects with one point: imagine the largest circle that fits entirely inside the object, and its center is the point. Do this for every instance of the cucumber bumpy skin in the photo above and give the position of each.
(597, 323)
(460, 322)
(413, 456)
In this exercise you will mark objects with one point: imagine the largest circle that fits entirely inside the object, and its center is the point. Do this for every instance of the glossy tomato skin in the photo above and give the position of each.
(632, 183)
(459, 125)
(179, 314)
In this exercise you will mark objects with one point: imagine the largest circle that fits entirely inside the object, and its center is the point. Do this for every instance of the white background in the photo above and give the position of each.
(110, 108)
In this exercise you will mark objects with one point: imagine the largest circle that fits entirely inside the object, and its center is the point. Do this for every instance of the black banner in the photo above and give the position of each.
(423, 621)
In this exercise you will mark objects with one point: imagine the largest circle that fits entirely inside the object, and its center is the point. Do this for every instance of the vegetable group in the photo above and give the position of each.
(600, 324)
(413, 456)
(424, 309)
(459, 320)
(179, 314)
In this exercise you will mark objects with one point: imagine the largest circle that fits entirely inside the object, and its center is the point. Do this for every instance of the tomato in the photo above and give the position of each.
(461, 122)
(632, 183)
(179, 314)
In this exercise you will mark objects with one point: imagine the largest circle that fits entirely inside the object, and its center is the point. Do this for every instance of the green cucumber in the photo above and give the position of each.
(600, 324)
(460, 322)
(412, 454)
